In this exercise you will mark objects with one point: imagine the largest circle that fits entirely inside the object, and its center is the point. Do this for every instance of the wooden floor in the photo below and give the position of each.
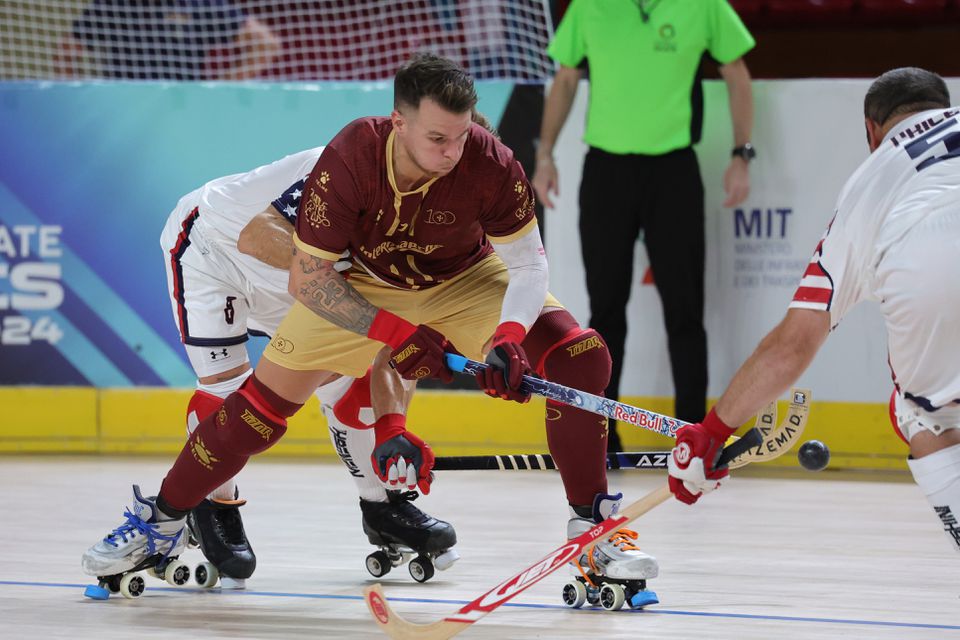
(824, 557)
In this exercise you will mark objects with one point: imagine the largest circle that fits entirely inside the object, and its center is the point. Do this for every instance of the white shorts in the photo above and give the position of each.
(912, 419)
(219, 296)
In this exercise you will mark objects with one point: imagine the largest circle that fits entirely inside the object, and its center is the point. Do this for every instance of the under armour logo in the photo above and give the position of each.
(215, 354)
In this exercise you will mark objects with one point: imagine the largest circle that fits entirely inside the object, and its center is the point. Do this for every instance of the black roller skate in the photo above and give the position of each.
(402, 530)
(216, 527)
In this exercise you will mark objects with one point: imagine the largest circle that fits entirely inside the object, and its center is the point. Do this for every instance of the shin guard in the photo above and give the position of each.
(206, 400)
(562, 352)
(938, 476)
(251, 420)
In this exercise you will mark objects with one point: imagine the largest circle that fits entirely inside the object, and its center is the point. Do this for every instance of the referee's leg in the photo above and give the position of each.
(674, 236)
(608, 231)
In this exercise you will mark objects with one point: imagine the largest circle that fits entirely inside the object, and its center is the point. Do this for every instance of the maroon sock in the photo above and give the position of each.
(563, 352)
(251, 420)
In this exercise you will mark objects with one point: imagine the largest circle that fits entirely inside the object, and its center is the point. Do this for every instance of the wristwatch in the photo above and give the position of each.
(747, 152)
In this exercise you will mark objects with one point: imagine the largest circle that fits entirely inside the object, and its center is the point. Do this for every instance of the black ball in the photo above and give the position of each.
(813, 455)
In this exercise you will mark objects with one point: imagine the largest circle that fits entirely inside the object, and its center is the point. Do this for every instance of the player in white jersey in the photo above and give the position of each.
(894, 239)
(227, 251)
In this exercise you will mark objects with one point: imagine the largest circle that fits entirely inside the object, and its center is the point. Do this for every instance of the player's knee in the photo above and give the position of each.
(253, 419)
(565, 353)
(207, 398)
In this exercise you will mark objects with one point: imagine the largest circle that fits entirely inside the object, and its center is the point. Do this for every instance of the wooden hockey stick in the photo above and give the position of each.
(738, 454)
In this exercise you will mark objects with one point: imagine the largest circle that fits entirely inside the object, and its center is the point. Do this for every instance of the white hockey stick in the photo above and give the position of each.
(737, 453)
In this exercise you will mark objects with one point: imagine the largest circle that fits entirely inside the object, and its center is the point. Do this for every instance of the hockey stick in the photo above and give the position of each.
(544, 462)
(399, 629)
(739, 453)
(612, 409)
(766, 421)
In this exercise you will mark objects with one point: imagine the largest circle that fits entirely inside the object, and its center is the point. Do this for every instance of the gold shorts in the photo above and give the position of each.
(465, 309)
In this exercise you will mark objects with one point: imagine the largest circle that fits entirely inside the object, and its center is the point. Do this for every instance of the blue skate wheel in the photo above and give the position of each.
(643, 598)
(96, 592)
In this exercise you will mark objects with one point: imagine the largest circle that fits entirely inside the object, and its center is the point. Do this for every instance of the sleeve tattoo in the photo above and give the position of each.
(325, 292)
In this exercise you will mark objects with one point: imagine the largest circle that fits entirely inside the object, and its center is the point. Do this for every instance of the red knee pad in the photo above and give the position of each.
(201, 405)
(567, 354)
(253, 419)
(893, 417)
(357, 397)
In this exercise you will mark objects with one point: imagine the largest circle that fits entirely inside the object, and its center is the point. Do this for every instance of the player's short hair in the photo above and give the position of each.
(430, 76)
(905, 90)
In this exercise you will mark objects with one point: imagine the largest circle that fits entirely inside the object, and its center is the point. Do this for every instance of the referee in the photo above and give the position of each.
(640, 173)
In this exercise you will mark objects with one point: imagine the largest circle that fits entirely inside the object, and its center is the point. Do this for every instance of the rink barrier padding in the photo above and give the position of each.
(145, 421)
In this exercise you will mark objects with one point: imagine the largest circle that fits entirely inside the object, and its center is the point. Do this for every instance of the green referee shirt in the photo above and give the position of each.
(644, 75)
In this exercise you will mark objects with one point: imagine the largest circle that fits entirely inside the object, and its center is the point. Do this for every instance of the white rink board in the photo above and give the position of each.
(760, 559)
(810, 137)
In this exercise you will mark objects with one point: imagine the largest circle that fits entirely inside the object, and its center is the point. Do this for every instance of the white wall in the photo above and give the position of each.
(809, 136)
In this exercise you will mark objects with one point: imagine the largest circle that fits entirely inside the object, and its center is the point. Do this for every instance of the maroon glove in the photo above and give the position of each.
(418, 351)
(692, 461)
(507, 364)
(400, 458)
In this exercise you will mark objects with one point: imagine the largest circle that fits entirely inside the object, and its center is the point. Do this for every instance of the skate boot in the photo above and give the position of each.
(149, 540)
(402, 530)
(615, 571)
(216, 527)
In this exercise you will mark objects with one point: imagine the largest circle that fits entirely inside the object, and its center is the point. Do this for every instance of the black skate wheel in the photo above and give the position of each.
(112, 583)
(421, 568)
(574, 594)
(378, 564)
(132, 585)
(612, 596)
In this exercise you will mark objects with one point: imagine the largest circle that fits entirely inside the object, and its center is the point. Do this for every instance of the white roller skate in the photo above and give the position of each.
(147, 540)
(615, 571)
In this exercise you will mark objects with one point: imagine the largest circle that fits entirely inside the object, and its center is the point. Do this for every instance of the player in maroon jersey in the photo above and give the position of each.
(438, 217)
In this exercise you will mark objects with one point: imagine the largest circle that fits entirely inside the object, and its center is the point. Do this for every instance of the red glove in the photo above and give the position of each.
(401, 459)
(418, 351)
(691, 463)
(507, 364)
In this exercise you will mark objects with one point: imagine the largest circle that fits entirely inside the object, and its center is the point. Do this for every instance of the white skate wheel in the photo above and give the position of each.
(612, 596)
(446, 559)
(132, 585)
(233, 584)
(177, 573)
(574, 594)
(206, 575)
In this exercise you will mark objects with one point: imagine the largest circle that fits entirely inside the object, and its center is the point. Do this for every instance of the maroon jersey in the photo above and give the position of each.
(414, 239)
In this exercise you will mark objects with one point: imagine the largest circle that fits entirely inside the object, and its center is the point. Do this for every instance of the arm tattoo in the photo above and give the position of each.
(325, 292)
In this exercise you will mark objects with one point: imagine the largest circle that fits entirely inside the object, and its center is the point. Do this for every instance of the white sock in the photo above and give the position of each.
(228, 490)
(354, 446)
(938, 475)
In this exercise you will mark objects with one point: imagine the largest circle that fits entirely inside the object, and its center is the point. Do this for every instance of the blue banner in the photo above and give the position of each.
(88, 175)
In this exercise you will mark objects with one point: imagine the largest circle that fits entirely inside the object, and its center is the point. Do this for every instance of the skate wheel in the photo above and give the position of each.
(612, 596)
(96, 592)
(206, 575)
(574, 594)
(379, 564)
(642, 598)
(132, 585)
(177, 573)
(446, 559)
(421, 569)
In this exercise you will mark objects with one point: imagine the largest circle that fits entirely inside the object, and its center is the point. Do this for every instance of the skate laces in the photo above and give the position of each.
(135, 525)
(228, 525)
(408, 511)
(622, 538)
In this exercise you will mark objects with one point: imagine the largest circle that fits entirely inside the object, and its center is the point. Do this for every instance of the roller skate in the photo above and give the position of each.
(615, 571)
(216, 527)
(149, 540)
(402, 530)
